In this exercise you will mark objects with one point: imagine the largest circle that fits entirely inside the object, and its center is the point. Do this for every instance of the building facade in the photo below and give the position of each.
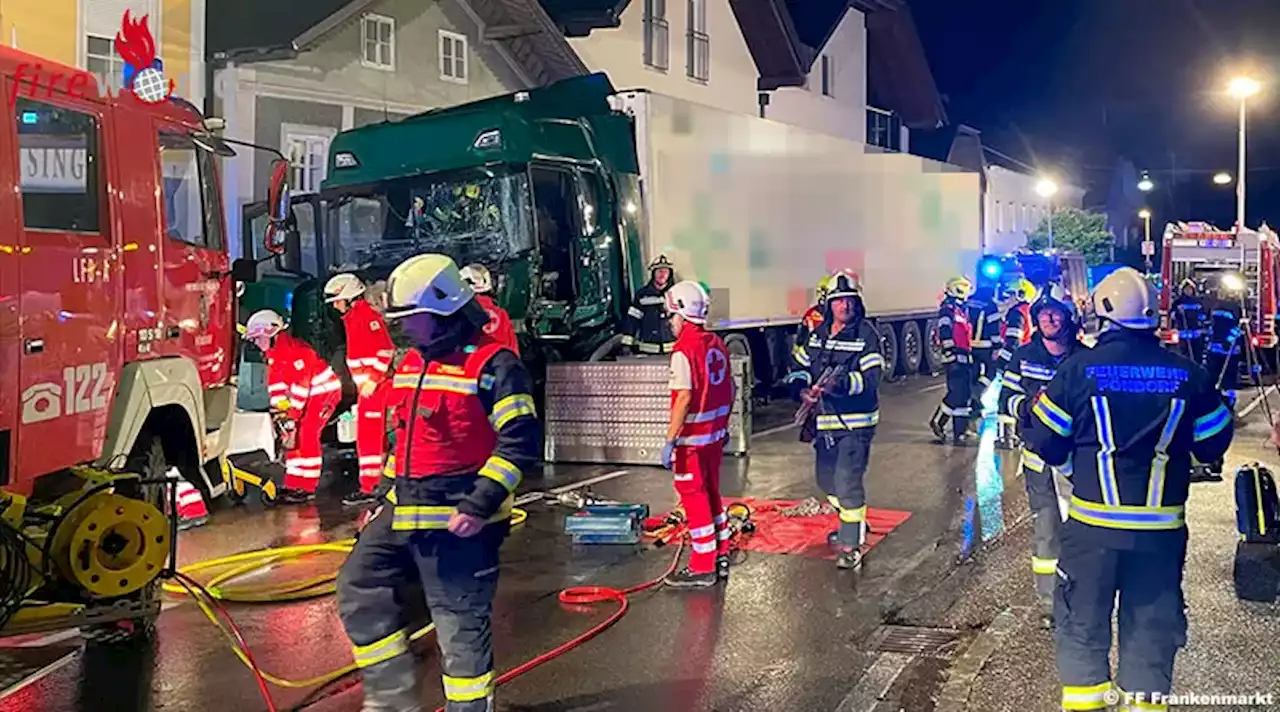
(1012, 209)
(344, 65)
(701, 51)
(81, 33)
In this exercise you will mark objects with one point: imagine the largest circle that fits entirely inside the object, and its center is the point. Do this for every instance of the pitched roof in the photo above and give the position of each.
(254, 30)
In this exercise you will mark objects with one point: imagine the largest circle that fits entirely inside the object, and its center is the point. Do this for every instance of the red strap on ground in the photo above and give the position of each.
(805, 536)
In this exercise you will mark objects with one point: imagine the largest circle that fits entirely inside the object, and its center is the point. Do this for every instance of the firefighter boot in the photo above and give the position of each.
(722, 566)
(959, 430)
(684, 578)
(849, 558)
(392, 686)
(938, 424)
(360, 499)
(297, 496)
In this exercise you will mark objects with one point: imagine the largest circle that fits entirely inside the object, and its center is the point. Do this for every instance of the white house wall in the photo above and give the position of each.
(1013, 208)
(619, 52)
(844, 113)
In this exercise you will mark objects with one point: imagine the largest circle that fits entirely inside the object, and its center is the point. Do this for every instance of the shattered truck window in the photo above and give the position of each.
(473, 220)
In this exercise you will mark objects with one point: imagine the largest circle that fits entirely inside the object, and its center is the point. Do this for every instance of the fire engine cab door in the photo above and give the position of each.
(197, 323)
(69, 279)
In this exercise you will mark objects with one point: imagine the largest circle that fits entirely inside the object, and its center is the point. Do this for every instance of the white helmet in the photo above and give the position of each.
(689, 300)
(343, 286)
(426, 284)
(264, 322)
(1126, 299)
(477, 275)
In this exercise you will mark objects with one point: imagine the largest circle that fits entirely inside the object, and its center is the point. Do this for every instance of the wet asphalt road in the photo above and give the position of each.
(787, 633)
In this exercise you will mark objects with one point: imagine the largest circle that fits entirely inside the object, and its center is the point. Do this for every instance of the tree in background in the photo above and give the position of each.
(1078, 230)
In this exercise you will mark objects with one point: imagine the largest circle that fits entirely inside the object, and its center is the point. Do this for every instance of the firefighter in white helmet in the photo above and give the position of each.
(304, 393)
(1128, 415)
(369, 354)
(499, 327)
(702, 392)
(466, 431)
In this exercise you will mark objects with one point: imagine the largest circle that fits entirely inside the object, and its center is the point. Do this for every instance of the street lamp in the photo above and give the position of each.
(1148, 249)
(1145, 185)
(1046, 188)
(1241, 88)
(1221, 178)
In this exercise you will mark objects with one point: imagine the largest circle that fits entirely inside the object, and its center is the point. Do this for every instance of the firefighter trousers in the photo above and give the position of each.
(371, 436)
(957, 406)
(1045, 489)
(303, 463)
(984, 372)
(1144, 588)
(458, 577)
(697, 481)
(841, 466)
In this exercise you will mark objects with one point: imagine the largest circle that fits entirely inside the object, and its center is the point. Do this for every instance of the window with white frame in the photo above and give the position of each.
(379, 33)
(102, 60)
(453, 57)
(699, 44)
(308, 151)
(657, 41)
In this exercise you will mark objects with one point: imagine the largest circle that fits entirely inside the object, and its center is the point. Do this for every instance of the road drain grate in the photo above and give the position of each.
(909, 640)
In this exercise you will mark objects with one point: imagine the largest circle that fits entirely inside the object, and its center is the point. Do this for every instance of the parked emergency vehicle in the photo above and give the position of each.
(1202, 252)
(118, 346)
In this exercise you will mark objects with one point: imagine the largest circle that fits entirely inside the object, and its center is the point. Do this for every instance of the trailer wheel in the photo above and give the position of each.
(910, 348)
(932, 347)
(888, 347)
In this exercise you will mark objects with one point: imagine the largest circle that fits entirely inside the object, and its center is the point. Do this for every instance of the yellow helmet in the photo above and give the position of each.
(959, 287)
(820, 291)
(1024, 290)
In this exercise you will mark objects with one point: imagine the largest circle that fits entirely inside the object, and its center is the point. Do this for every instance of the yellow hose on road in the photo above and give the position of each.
(237, 566)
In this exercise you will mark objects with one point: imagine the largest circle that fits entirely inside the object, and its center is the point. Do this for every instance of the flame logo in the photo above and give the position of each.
(143, 70)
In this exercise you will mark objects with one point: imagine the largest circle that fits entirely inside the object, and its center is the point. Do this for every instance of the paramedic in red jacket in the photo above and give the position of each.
(304, 392)
(499, 327)
(702, 394)
(369, 353)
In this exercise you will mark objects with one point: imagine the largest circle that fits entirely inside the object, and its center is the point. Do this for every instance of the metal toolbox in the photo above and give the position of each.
(617, 412)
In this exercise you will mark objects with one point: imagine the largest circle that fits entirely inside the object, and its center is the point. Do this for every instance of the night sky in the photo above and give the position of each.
(1074, 84)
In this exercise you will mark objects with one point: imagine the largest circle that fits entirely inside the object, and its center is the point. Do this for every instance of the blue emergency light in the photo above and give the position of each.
(990, 267)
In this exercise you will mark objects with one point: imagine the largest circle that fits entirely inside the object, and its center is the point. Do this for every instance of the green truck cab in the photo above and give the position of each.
(541, 187)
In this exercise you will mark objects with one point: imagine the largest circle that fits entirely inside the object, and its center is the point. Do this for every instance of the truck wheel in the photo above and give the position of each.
(932, 350)
(608, 350)
(149, 462)
(888, 348)
(910, 348)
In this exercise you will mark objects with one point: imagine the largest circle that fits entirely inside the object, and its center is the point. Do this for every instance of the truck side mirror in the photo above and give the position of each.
(274, 239)
(244, 271)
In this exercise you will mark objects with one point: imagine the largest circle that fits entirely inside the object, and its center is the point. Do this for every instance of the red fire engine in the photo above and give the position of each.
(1200, 251)
(118, 345)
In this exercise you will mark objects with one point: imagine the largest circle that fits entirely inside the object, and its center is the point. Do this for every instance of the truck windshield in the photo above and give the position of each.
(472, 218)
